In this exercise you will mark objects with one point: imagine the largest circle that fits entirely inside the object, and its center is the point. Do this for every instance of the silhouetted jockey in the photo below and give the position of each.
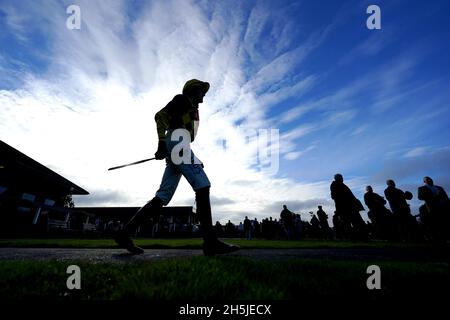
(379, 215)
(348, 207)
(179, 117)
(324, 226)
(406, 223)
(436, 214)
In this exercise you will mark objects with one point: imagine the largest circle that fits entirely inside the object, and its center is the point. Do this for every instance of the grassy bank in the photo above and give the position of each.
(220, 278)
(196, 244)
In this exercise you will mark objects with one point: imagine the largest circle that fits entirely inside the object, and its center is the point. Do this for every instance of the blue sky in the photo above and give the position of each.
(370, 104)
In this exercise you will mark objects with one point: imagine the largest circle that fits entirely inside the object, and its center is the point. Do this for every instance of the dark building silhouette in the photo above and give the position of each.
(173, 221)
(28, 190)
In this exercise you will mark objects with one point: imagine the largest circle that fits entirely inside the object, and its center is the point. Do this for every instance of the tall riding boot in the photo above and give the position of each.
(122, 238)
(149, 210)
(211, 245)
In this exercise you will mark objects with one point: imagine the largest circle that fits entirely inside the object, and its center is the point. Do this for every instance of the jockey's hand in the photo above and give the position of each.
(161, 153)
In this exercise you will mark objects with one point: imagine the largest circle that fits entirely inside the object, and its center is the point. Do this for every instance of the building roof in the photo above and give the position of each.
(131, 210)
(19, 169)
(128, 212)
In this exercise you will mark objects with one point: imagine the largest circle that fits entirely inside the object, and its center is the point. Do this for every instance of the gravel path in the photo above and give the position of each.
(121, 256)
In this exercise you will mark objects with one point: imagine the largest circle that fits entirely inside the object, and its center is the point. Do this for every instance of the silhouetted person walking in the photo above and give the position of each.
(315, 226)
(176, 123)
(247, 228)
(347, 208)
(436, 215)
(405, 222)
(338, 226)
(379, 215)
(287, 220)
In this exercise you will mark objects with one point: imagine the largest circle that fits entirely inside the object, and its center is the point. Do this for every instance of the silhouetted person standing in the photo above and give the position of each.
(338, 226)
(436, 215)
(287, 220)
(176, 125)
(379, 215)
(218, 228)
(400, 208)
(230, 229)
(255, 227)
(323, 221)
(347, 208)
(247, 228)
(315, 226)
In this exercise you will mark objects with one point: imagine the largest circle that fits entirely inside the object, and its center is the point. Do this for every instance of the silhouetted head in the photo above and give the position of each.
(284, 206)
(428, 181)
(390, 183)
(338, 177)
(408, 195)
(196, 90)
(320, 207)
(369, 189)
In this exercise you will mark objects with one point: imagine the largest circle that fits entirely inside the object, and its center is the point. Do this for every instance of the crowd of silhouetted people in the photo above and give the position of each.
(397, 223)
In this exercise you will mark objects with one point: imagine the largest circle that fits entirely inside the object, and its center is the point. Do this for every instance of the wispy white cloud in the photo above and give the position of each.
(359, 130)
(297, 154)
(340, 116)
(16, 21)
(327, 103)
(416, 152)
(284, 91)
(293, 113)
(375, 43)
